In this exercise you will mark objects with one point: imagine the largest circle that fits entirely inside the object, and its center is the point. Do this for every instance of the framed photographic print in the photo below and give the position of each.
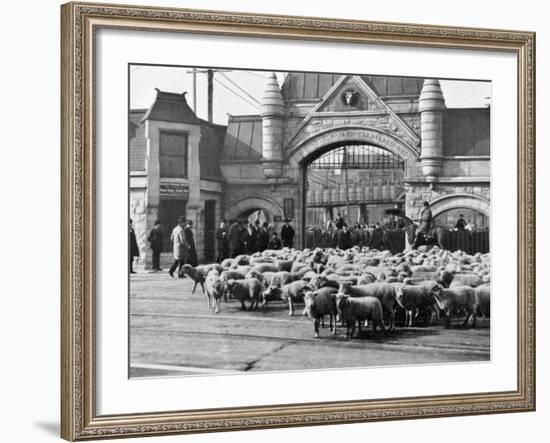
(281, 221)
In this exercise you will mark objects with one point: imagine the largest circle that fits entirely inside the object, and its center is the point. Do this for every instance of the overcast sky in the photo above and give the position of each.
(238, 92)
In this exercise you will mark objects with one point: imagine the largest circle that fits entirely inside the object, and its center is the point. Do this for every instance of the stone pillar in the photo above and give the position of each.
(272, 111)
(431, 105)
(152, 195)
(195, 206)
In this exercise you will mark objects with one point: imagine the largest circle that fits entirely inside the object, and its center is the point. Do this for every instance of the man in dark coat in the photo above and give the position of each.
(287, 234)
(461, 223)
(426, 220)
(156, 240)
(275, 242)
(234, 238)
(134, 250)
(221, 242)
(344, 238)
(339, 221)
(252, 236)
(262, 239)
(192, 252)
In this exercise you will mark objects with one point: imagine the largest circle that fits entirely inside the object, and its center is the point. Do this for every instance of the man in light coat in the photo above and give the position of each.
(181, 247)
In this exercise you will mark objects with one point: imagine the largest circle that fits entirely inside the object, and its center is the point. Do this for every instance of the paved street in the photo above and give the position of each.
(172, 333)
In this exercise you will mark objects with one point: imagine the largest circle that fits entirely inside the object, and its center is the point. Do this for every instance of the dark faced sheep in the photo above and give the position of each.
(195, 274)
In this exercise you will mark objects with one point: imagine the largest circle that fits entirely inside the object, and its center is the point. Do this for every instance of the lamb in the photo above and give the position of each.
(320, 303)
(195, 274)
(247, 289)
(356, 310)
(215, 288)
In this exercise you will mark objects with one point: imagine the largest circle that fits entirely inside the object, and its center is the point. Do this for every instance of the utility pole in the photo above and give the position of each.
(210, 75)
(194, 90)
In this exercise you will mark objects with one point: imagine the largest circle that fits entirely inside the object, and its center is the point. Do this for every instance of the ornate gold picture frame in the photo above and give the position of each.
(80, 22)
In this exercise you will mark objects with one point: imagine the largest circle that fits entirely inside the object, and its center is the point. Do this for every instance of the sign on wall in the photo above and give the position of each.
(174, 190)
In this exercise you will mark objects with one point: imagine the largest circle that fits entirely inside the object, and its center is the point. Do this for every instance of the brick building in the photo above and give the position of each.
(321, 143)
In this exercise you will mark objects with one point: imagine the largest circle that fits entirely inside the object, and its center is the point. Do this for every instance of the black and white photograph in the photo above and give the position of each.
(283, 221)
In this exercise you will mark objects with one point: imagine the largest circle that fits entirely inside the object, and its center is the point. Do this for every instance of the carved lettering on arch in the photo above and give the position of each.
(307, 147)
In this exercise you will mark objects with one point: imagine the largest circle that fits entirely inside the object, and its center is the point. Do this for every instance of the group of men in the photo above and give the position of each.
(183, 243)
(248, 238)
(239, 238)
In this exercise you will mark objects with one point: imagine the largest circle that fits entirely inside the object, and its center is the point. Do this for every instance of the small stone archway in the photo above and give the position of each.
(460, 201)
(254, 202)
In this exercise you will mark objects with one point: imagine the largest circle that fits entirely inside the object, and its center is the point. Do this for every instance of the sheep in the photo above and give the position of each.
(290, 293)
(320, 303)
(265, 267)
(457, 299)
(383, 291)
(356, 310)
(472, 280)
(483, 296)
(215, 288)
(285, 265)
(247, 289)
(414, 298)
(230, 275)
(195, 274)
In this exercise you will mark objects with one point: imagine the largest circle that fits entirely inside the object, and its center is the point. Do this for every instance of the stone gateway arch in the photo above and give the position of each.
(261, 161)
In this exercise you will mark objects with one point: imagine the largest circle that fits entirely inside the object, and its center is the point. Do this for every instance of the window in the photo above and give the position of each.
(173, 154)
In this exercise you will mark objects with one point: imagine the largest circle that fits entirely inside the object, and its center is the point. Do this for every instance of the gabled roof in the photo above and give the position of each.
(171, 107)
(313, 86)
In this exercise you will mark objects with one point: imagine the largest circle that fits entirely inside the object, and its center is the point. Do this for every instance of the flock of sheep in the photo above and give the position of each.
(356, 286)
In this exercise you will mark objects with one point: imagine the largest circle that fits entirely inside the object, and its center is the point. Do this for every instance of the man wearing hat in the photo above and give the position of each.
(181, 247)
(156, 240)
(134, 249)
(192, 252)
(287, 234)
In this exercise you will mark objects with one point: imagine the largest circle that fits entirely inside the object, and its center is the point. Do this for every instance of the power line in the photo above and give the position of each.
(238, 87)
(255, 74)
(236, 93)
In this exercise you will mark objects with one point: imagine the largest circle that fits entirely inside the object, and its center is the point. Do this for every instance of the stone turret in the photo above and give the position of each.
(431, 107)
(272, 111)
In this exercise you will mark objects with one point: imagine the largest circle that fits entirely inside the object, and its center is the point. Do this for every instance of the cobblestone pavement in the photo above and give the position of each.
(172, 333)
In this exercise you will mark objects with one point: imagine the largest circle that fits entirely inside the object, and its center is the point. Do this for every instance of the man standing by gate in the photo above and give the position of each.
(426, 220)
(287, 234)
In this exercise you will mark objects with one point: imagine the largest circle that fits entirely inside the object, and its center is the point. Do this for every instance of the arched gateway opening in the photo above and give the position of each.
(356, 180)
(374, 158)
